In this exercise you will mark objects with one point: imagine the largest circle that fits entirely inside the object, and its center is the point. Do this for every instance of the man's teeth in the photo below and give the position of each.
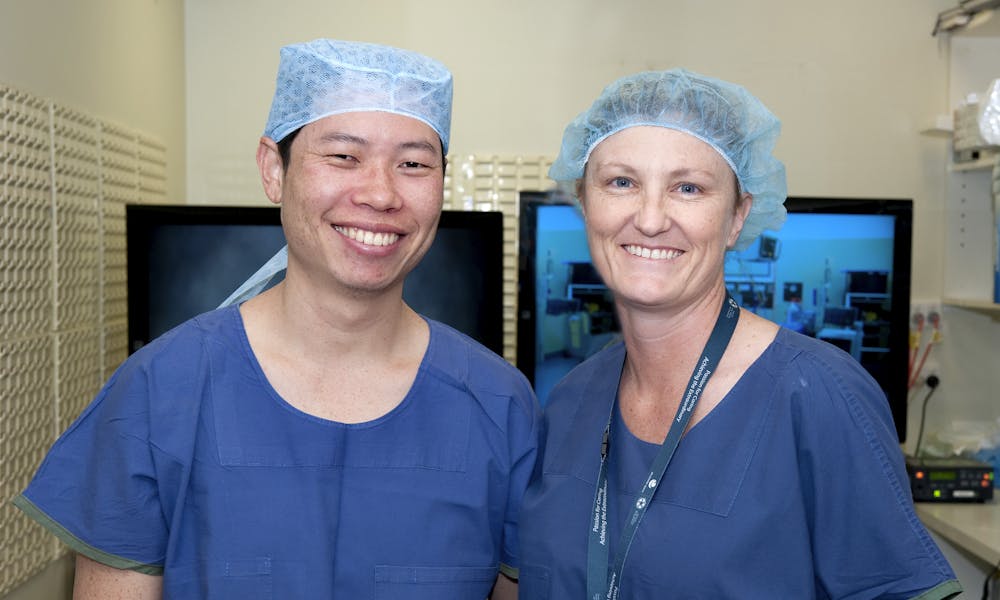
(368, 238)
(655, 253)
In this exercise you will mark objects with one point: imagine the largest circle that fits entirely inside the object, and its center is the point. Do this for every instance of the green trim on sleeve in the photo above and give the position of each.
(78, 545)
(943, 591)
(509, 571)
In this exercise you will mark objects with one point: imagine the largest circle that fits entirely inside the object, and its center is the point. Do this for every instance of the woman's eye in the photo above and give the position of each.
(688, 188)
(621, 182)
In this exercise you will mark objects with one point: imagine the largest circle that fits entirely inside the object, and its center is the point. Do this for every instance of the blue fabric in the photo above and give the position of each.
(189, 459)
(794, 486)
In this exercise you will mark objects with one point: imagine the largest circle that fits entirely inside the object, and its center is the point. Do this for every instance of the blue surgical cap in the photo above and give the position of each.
(327, 77)
(721, 114)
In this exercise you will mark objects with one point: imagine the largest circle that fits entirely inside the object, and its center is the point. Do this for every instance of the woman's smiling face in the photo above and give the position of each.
(661, 208)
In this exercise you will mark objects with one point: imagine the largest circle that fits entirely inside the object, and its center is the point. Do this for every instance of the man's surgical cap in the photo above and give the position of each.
(721, 114)
(327, 77)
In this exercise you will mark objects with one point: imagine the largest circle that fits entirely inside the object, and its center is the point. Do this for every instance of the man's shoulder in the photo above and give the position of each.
(215, 333)
(456, 346)
(467, 364)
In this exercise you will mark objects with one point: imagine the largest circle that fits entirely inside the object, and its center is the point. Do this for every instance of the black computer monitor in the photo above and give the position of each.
(184, 260)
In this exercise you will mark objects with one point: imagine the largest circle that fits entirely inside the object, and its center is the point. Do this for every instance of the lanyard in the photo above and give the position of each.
(603, 578)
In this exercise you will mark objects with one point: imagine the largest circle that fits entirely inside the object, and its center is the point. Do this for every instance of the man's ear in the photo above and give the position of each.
(272, 170)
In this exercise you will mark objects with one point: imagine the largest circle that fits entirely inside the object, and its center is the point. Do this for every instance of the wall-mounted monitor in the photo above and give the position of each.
(838, 270)
(184, 260)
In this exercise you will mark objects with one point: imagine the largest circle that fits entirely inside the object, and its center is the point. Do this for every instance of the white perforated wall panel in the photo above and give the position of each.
(65, 178)
(489, 182)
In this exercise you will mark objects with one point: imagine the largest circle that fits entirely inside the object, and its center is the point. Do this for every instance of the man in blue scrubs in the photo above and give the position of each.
(321, 439)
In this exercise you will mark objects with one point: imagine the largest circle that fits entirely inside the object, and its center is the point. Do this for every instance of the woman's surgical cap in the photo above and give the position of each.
(327, 77)
(721, 114)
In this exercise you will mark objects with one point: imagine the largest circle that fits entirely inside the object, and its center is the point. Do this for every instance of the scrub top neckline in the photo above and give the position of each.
(280, 401)
(726, 400)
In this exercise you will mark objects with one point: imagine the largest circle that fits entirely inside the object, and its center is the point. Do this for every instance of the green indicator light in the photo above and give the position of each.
(937, 493)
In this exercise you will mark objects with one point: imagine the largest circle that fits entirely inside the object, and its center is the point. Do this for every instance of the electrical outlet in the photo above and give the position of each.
(928, 311)
(926, 329)
(931, 378)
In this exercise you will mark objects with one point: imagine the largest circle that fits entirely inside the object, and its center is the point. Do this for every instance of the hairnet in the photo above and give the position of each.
(721, 114)
(989, 114)
(326, 77)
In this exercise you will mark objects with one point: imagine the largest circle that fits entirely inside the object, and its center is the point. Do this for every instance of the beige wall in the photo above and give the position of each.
(852, 81)
(54, 582)
(120, 60)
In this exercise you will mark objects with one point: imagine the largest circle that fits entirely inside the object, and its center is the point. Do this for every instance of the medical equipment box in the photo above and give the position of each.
(949, 479)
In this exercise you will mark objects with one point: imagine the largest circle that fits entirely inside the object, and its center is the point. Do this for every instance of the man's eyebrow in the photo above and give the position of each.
(418, 145)
(337, 136)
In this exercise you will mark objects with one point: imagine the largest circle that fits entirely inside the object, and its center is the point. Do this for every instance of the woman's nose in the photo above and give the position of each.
(653, 213)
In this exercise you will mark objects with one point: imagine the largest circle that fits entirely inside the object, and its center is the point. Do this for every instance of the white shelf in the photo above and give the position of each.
(939, 126)
(983, 306)
(982, 164)
(974, 527)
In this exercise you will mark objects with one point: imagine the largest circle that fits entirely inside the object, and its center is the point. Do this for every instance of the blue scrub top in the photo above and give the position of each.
(794, 486)
(189, 464)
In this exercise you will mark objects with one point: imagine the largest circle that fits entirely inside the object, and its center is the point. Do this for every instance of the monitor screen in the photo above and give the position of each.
(184, 260)
(838, 270)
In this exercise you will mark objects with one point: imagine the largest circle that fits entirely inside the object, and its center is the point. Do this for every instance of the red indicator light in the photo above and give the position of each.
(919, 474)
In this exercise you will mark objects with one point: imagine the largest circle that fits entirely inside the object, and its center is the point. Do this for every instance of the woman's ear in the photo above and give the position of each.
(740, 218)
(580, 200)
(272, 170)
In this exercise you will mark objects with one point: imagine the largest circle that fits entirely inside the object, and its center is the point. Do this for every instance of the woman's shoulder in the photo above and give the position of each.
(599, 371)
(802, 351)
(817, 375)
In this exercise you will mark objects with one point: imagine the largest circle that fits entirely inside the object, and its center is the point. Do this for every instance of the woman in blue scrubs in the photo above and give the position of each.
(321, 439)
(711, 454)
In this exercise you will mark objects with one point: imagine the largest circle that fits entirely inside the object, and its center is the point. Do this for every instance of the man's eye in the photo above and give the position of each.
(412, 164)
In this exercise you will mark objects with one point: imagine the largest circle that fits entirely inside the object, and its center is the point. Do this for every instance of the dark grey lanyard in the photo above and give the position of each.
(603, 578)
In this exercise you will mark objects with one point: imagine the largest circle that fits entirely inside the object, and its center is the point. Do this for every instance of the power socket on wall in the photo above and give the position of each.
(926, 330)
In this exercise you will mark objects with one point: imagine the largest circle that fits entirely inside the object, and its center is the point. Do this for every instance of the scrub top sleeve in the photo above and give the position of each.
(867, 540)
(524, 429)
(97, 487)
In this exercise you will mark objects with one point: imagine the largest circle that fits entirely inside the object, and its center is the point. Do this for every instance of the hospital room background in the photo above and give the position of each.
(174, 94)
